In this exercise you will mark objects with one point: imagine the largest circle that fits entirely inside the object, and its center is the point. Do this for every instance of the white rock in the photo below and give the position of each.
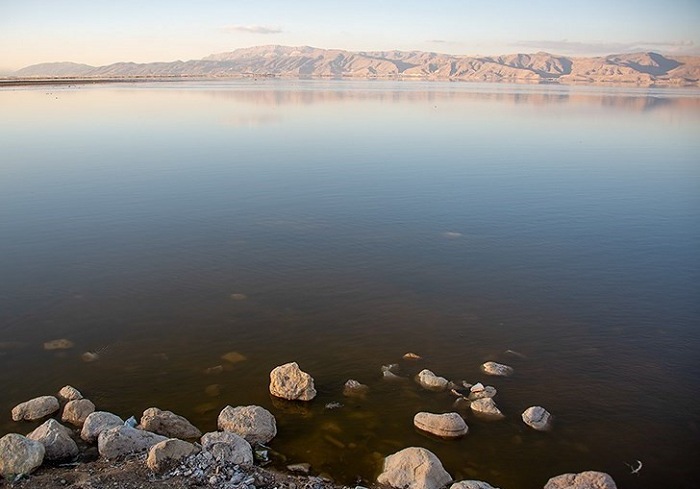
(488, 391)
(19, 456)
(69, 393)
(167, 454)
(254, 423)
(412, 356)
(289, 382)
(226, 447)
(498, 369)
(413, 468)
(57, 440)
(123, 440)
(76, 412)
(487, 407)
(98, 422)
(583, 480)
(448, 425)
(472, 484)
(168, 424)
(34, 409)
(430, 381)
(478, 387)
(538, 418)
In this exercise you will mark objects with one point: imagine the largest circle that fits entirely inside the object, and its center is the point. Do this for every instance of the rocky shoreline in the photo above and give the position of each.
(93, 449)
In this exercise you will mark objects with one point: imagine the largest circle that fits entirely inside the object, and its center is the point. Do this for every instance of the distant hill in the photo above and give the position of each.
(644, 69)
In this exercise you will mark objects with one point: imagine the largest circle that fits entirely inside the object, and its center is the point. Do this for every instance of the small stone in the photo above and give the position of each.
(414, 468)
(36, 408)
(478, 387)
(215, 370)
(353, 388)
(583, 480)
(98, 422)
(165, 455)
(302, 468)
(412, 356)
(472, 484)
(56, 439)
(233, 357)
(448, 425)
(488, 391)
(90, 356)
(69, 393)
(428, 380)
(538, 418)
(254, 423)
(497, 369)
(487, 407)
(19, 456)
(62, 344)
(289, 382)
(76, 412)
(168, 424)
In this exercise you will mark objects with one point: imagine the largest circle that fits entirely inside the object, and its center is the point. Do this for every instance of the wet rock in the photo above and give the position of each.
(289, 382)
(448, 425)
(254, 423)
(34, 409)
(168, 424)
(57, 440)
(498, 369)
(478, 387)
(98, 422)
(227, 447)
(482, 393)
(538, 418)
(486, 407)
(123, 440)
(165, 455)
(412, 356)
(89, 357)
(472, 485)
(413, 468)
(69, 393)
(76, 412)
(19, 456)
(583, 480)
(215, 370)
(353, 388)
(61, 344)
(302, 468)
(430, 381)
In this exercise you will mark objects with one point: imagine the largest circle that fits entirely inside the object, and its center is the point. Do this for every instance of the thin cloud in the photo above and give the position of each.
(599, 48)
(437, 41)
(253, 29)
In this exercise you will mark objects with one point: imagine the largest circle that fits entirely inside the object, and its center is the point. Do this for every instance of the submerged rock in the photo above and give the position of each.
(19, 456)
(472, 485)
(487, 407)
(123, 440)
(98, 422)
(583, 480)
(167, 454)
(301, 468)
(61, 344)
(227, 447)
(76, 412)
(69, 393)
(497, 369)
(448, 425)
(414, 468)
(538, 418)
(254, 423)
(90, 356)
(412, 356)
(168, 424)
(36, 408)
(233, 357)
(57, 440)
(353, 388)
(289, 382)
(428, 380)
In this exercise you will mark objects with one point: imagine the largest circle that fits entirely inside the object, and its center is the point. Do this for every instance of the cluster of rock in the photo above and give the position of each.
(171, 444)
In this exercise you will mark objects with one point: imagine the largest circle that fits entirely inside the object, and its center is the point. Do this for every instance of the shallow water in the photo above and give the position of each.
(359, 221)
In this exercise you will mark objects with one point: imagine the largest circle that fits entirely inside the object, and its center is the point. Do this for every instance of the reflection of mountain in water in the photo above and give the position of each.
(645, 69)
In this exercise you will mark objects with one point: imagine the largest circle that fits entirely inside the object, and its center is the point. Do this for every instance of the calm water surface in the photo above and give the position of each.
(363, 220)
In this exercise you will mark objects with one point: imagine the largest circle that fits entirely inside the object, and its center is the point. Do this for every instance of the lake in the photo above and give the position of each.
(341, 224)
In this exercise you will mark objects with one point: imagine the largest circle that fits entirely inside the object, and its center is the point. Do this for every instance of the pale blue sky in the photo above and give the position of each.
(106, 31)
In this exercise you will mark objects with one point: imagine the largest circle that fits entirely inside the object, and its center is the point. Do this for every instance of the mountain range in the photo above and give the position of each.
(645, 69)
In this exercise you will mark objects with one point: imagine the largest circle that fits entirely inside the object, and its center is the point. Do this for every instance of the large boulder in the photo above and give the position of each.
(472, 485)
(98, 422)
(168, 424)
(254, 423)
(289, 382)
(227, 447)
(69, 393)
(76, 412)
(123, 440)
(428, 380)
(486, 407)
(57, 440)
(165, 455)
(448, 425)
(497, 369)
(583, 480)
(538, 418)
(34, 409)
(413, 468)
(19, 456)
